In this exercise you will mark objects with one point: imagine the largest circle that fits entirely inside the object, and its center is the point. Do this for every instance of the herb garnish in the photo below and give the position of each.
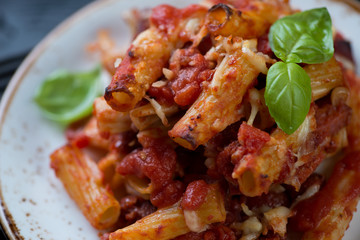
(66, 97)
(304, 37)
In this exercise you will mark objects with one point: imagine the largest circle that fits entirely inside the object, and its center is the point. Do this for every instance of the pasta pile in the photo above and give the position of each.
(182, 145)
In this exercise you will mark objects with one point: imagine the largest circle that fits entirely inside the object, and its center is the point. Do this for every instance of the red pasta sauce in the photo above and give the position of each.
(165, 17)
(190, 69)
(194, 195)
(157, 162)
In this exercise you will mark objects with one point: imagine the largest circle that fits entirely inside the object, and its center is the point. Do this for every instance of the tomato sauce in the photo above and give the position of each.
(167, 195)
(157, 162)
(251, 138)
(249, 141)
(190, 69)
(134, 208)
(124, 142)
(165, 17)
(264, 45)
(224, 164)
(76, 136)
(81, 141)
(163, 95)
(271, 199)
(194, 195)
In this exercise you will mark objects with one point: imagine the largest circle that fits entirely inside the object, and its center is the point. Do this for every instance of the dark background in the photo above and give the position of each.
(23, 23)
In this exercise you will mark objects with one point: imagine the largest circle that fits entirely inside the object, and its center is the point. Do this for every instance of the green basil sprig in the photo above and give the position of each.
(304, 37)
(66, 97)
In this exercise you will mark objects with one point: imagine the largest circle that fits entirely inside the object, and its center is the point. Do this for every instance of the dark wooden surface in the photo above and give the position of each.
(23, 23)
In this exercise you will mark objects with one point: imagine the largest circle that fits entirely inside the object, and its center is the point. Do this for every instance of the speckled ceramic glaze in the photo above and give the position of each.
(34, 202)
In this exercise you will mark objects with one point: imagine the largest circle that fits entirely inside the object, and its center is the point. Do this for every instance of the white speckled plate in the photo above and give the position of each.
(34, 203)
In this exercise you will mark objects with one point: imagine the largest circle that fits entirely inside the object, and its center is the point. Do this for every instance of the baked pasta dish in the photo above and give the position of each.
(227, 119)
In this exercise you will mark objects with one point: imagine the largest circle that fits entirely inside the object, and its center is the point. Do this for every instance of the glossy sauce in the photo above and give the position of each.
(165, 17)
(194, 195)
(190, 69)
(157, 162)
(251, 138)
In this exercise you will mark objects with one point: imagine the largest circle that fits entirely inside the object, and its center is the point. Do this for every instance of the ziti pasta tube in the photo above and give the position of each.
(173, 221)
(291, 158)
(324, 77)
(83, 181)
(110, 121)
(244, 21)
(224, 20)
(219, 104)
(149, 54)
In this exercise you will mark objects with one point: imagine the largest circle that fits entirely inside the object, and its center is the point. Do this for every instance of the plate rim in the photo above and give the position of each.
(7, 222)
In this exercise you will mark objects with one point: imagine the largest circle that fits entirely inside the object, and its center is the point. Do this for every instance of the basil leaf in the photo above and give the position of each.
(288, 95)
(66, 97)
(304, 37)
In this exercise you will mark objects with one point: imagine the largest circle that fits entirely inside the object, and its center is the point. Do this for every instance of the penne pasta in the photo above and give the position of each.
(210, 211)
(110, 121)
(224, 20)
(173, 221)
(291, 158)
(147, 56)
(247, 22)
(145, 116)
(163, 224)
(91, 130)
(324, 77)
(83, 181)
(219, 104)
